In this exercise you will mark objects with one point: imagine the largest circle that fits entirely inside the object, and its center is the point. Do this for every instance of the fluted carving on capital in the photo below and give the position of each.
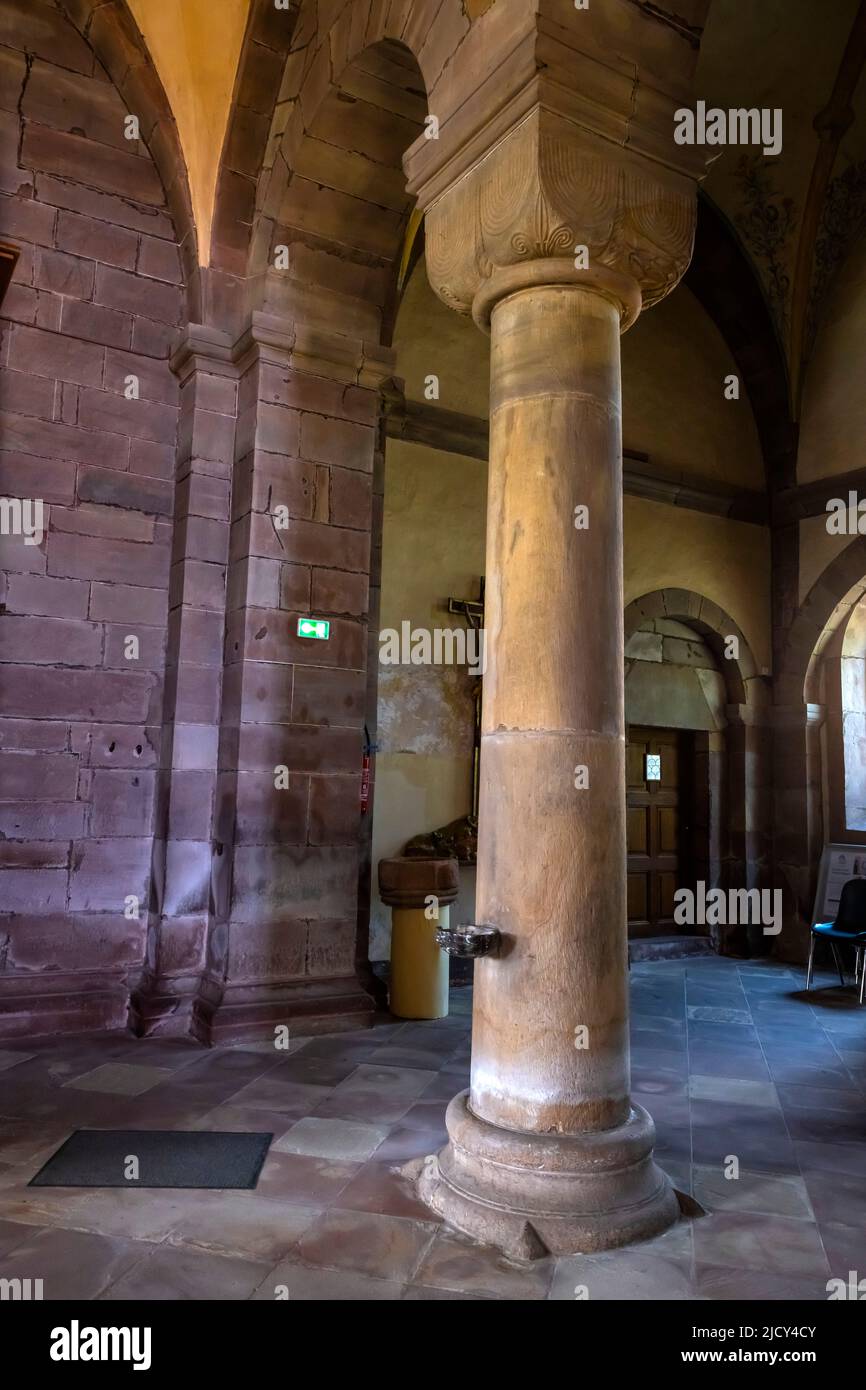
(547, 189)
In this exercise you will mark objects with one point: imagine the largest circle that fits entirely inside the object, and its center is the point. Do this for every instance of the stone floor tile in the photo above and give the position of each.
(447, 1085)
(733, 1090)
(389, 1247)
(700, 995)
(433, 1036)
(820, 1100)
(72, 1264)
(120, 1079)
(178, 1273)
(425, 1114)
(621, 1274)
(723, 1283)
(304, 1179)
(831, 1158)
(722, 1035)
(310, 1070)
(244, 1224)
(679, 1173)
(375, 1107)
(455, 1262)
(663, 1082)
(334, 1048)
(345, 1140)
(827, 1126)
(404, 1143)
(382, 1187)
(747, 1240)
(751, 1192)
(845, 1246)
(422, 1293)
(14, 1059)
(849, 1042)
(764, 1153)
(12, 1233)
(825, 1075)
(243, 1119)
(291, 1098)
(268, 1047)
(419, 1058)
(394, 1080)
(839, 1197)
(147, 1214)
(711, 1014)
(23, 1142)
(301, 1283)
(738, 1063)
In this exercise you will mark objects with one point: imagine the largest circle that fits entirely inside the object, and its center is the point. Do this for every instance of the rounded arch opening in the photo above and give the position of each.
(331, 232)
(690, 681)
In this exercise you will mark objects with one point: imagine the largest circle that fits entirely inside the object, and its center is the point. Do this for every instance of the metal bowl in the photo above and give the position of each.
(468, 941)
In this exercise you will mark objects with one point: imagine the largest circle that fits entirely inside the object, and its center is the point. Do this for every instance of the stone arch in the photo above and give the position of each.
(110, 30)
(252, 125)
(336, 198)
(801, 732)
(732, 763)
(287, 59)
(723, 278)
(315, 78)
(834, 593)
(713, 624)
(837, 683)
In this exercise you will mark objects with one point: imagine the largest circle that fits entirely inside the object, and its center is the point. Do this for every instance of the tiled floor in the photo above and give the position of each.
(734, 1063)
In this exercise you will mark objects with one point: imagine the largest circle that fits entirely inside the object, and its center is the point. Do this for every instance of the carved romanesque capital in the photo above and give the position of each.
(522, 214)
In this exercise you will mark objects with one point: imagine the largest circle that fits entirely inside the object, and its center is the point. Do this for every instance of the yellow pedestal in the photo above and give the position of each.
(419, 968)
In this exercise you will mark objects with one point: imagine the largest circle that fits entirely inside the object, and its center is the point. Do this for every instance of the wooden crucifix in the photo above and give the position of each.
(459, 839)
(473, 611)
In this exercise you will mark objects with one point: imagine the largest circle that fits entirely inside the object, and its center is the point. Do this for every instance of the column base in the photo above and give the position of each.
(161, 1008)
(548, 1194)
(251, 1013)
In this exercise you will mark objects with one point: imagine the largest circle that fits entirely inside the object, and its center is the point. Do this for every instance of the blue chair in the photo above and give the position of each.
(849, 927)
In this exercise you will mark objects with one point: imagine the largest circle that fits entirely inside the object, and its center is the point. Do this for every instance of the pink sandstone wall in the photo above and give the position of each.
(97, 296)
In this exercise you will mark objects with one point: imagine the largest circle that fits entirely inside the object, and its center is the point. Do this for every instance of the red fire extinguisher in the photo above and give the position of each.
(366, 773)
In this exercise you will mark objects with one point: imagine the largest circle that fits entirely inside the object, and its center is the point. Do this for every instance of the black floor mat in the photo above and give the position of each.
(165, 1158)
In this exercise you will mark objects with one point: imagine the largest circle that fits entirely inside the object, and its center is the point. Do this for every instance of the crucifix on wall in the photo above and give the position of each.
(473, 611)
(459, 839)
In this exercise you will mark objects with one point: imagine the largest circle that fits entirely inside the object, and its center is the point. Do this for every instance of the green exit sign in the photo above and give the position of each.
(314, 627)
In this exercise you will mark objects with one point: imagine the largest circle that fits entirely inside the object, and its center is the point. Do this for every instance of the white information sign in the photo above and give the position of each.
(838, 864)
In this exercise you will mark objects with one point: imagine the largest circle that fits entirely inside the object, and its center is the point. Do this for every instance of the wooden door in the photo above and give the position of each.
(657, 837)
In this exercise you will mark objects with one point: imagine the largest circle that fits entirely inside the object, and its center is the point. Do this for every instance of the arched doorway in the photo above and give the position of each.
(808, 747)
(696, 762)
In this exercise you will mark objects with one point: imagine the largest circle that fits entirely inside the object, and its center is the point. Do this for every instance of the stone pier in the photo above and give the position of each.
(554, 240)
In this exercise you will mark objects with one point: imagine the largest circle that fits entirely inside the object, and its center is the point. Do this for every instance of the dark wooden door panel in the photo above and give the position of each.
(655, 830)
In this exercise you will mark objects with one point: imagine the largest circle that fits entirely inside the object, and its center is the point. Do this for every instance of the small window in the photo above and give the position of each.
(653, 767)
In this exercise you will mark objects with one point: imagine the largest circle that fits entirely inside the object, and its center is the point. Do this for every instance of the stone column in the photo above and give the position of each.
(162, 998)
(553, 240)
(747, 735)
(553, 717)
(281, 943)
(796, 800)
